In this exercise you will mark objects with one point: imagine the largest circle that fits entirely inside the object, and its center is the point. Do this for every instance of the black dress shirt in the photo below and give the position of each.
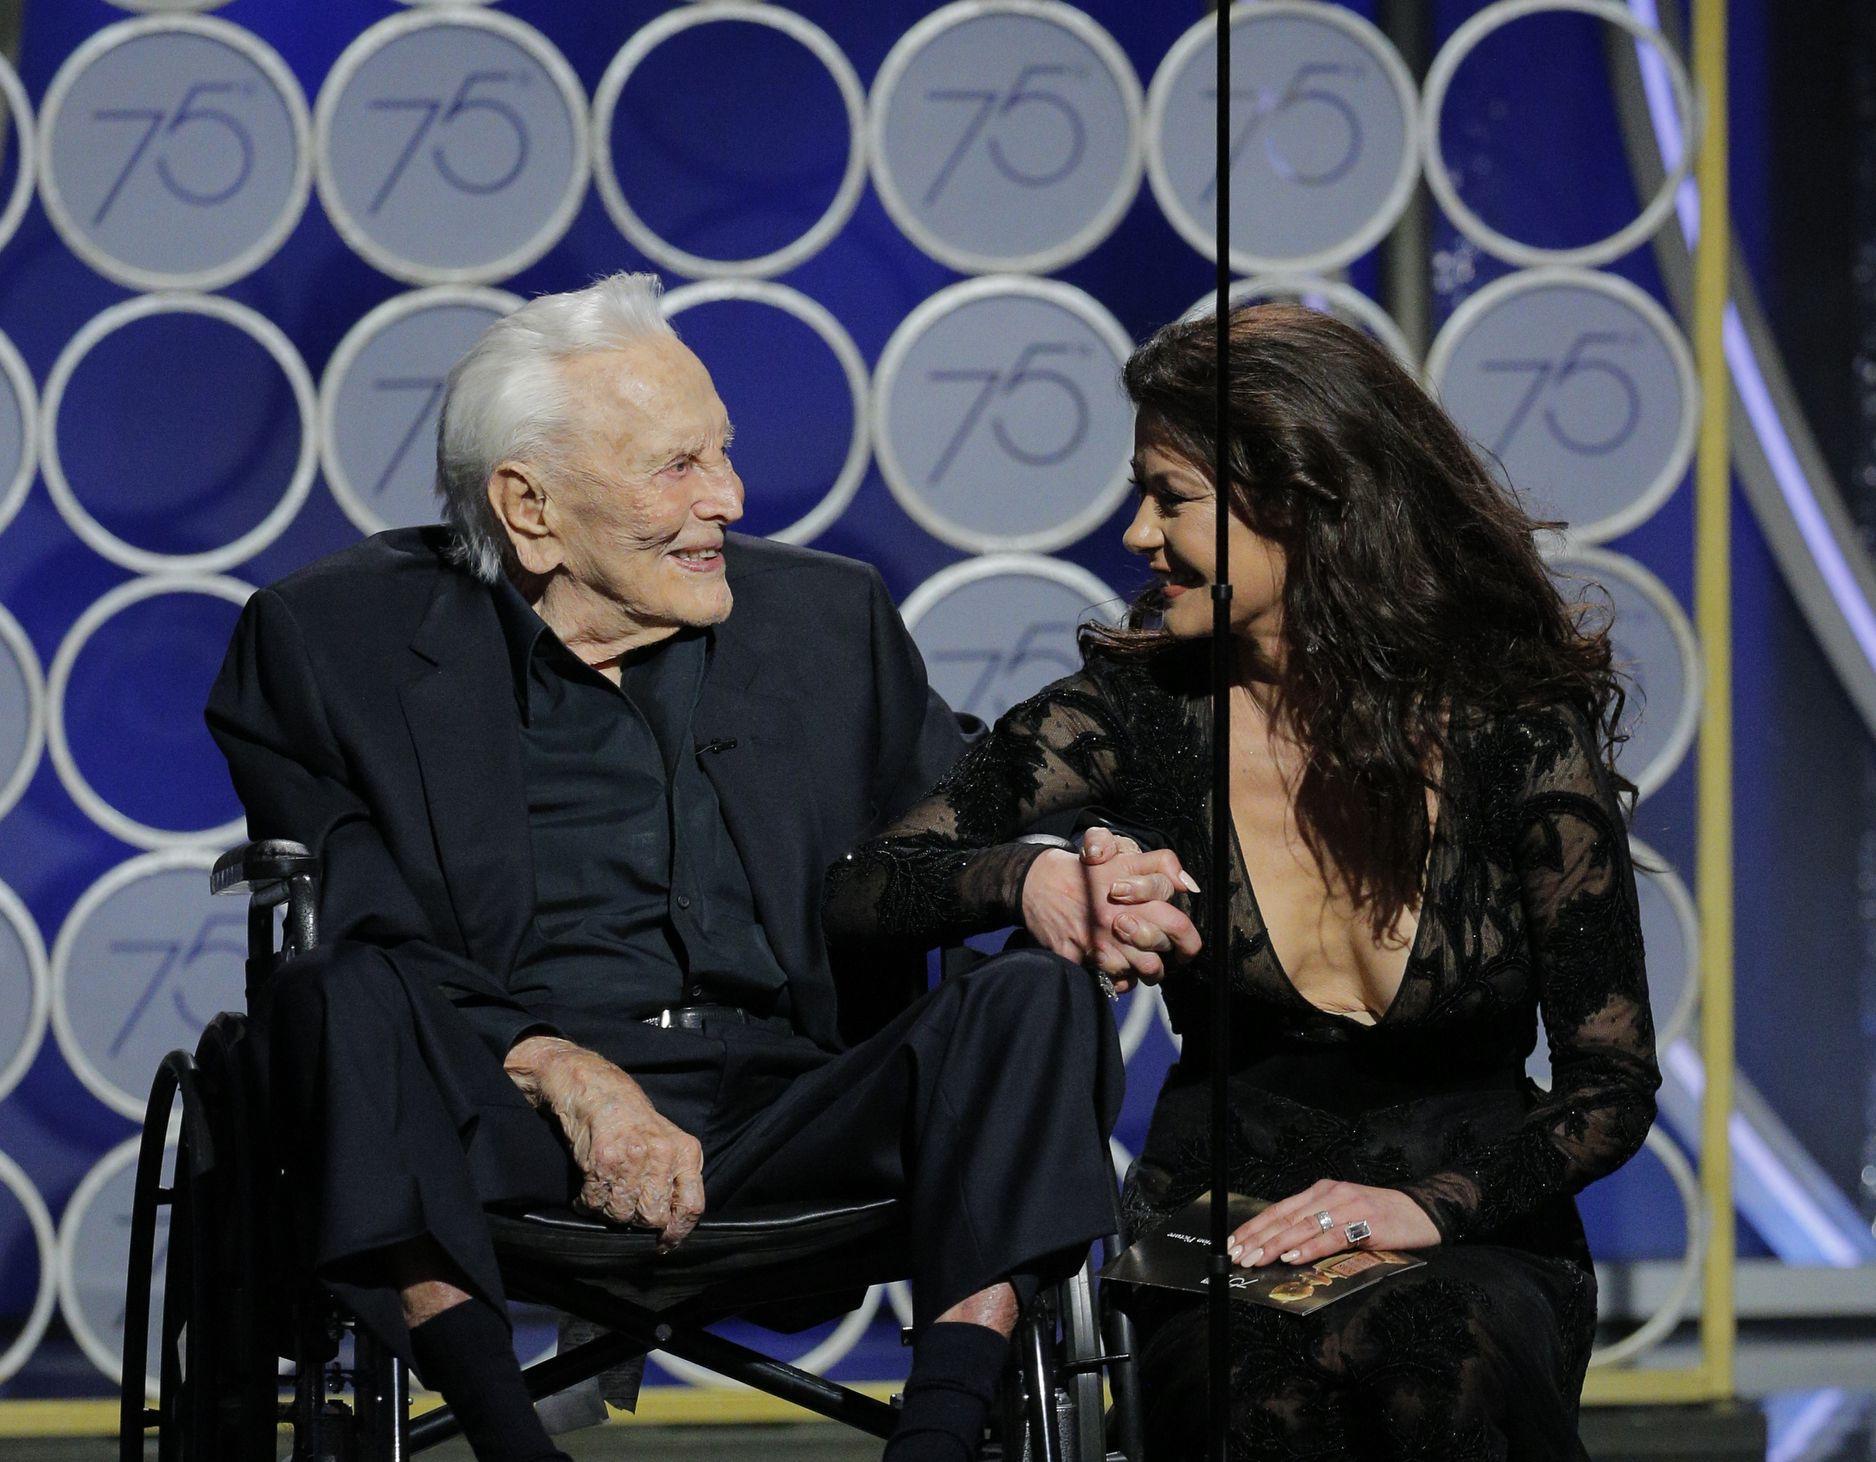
(640, 898)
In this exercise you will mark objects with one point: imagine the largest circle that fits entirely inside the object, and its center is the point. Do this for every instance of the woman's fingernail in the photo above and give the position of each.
(1289, 1258)
(1237, 1254)
(1191, 883)
(1120, 888)
(1254, 1255)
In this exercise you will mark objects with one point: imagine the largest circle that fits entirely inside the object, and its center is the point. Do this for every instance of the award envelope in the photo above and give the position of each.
(1179, 1256)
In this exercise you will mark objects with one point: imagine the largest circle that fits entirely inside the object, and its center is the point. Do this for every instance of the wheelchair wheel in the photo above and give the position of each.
(1080, 1370)
(1049, 1406)
(182, 1410)
(216, 1370)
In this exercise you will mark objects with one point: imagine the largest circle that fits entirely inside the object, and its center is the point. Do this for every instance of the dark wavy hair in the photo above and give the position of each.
(1414, 598)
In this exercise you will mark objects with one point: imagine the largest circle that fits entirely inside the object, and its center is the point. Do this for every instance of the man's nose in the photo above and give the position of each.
(722, 499)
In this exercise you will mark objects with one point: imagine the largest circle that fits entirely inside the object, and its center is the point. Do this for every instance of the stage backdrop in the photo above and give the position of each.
(242, 244)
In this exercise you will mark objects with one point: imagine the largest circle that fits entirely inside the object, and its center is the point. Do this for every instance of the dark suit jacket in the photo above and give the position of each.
(367, 709)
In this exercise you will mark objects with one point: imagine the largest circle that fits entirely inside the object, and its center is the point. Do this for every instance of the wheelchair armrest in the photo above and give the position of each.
(271, 872)
(262, 868)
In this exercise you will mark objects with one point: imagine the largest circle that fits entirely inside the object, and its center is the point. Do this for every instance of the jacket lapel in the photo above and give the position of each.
(772, 822)
(459, 703)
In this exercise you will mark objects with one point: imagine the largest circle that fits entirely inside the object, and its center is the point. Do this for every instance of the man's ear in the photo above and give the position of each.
(519, 501)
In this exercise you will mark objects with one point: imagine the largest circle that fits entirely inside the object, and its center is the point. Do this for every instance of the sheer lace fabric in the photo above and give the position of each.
(1529, 906)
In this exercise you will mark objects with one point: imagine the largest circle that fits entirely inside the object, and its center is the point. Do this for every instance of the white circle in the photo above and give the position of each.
(1681, 902)
(394, 28)
(26, 929)
(45, 1238)
(948, 581)
(105, 1357)
(906, 51)
(1440, 180)
(829, 1352)
(13, 494)
(1601, 564)
(1118, 1155)
(1645, 503)
(264, 59)
(612, 86)
(852, 365)
(1002, 680)
(135, 591)
(144, 865)
(1148, 1009)
(1199, 232)
(954, 297)
(20, 113)
(398, 307)
(1674, 1305)
(1345, 301)
(14, 639)
(257, 328)
(167, 5)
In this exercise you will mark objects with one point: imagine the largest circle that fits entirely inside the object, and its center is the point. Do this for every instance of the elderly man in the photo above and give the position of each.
(573, 818)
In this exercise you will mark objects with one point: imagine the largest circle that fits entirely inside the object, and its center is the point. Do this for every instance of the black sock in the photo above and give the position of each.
(947, 1396)
(466, 1353)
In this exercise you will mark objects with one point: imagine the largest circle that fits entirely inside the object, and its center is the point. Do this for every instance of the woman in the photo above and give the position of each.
(1428, 850)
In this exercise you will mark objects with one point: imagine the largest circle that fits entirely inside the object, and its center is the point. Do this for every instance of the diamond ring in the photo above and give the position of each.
(1357, 1231)
(1324, 1222)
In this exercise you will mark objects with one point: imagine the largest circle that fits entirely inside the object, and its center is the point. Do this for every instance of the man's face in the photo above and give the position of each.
(640, 517)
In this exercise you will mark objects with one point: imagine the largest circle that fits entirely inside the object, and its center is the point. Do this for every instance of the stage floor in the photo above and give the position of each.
(1815, 1385)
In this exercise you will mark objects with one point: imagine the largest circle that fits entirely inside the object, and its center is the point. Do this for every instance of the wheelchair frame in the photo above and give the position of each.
(234, 1307)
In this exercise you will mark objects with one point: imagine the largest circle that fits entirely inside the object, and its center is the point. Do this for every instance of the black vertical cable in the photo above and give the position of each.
(1218, 933)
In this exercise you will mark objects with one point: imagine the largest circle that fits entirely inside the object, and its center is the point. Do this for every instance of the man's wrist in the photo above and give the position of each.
(529, 1060)
(1044, 853)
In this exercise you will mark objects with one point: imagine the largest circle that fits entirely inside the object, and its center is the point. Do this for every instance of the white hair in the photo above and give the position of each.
(506, 400)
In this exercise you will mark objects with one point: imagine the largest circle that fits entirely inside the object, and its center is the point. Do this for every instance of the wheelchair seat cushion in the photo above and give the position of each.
(721, 1247)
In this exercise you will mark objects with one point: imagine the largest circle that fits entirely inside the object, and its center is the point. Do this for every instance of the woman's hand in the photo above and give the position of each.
(1289, 1232)
(1110, 907)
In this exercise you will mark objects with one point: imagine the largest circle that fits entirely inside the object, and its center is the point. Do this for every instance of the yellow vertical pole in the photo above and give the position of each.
(1713, 616)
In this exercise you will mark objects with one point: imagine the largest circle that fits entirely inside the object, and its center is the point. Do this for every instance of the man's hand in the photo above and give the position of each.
(639, 1168)
(1111, 907)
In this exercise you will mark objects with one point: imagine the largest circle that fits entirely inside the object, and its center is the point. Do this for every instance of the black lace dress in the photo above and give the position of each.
(1529, 904)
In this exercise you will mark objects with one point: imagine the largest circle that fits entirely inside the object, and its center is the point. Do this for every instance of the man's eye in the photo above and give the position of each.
(680, 466)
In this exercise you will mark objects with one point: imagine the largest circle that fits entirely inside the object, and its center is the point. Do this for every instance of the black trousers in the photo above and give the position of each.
(985, 1108)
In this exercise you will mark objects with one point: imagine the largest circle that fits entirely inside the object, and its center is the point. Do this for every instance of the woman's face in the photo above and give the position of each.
(1175, 531)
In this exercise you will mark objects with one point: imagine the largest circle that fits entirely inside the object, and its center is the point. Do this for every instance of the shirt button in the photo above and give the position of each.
(683, 901)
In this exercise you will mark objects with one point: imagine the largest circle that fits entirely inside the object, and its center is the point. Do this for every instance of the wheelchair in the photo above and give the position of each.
(236, 1308)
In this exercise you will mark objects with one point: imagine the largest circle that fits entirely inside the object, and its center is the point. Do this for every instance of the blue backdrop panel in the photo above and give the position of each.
(730, 140)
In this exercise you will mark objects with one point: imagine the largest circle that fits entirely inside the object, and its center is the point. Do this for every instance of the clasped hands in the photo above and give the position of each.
(1112, 907)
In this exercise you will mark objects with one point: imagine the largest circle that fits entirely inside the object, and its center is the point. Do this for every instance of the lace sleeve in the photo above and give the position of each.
(1584, 927)
(947, 868)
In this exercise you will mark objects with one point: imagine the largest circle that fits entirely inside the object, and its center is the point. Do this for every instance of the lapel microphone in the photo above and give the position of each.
(710, 746)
